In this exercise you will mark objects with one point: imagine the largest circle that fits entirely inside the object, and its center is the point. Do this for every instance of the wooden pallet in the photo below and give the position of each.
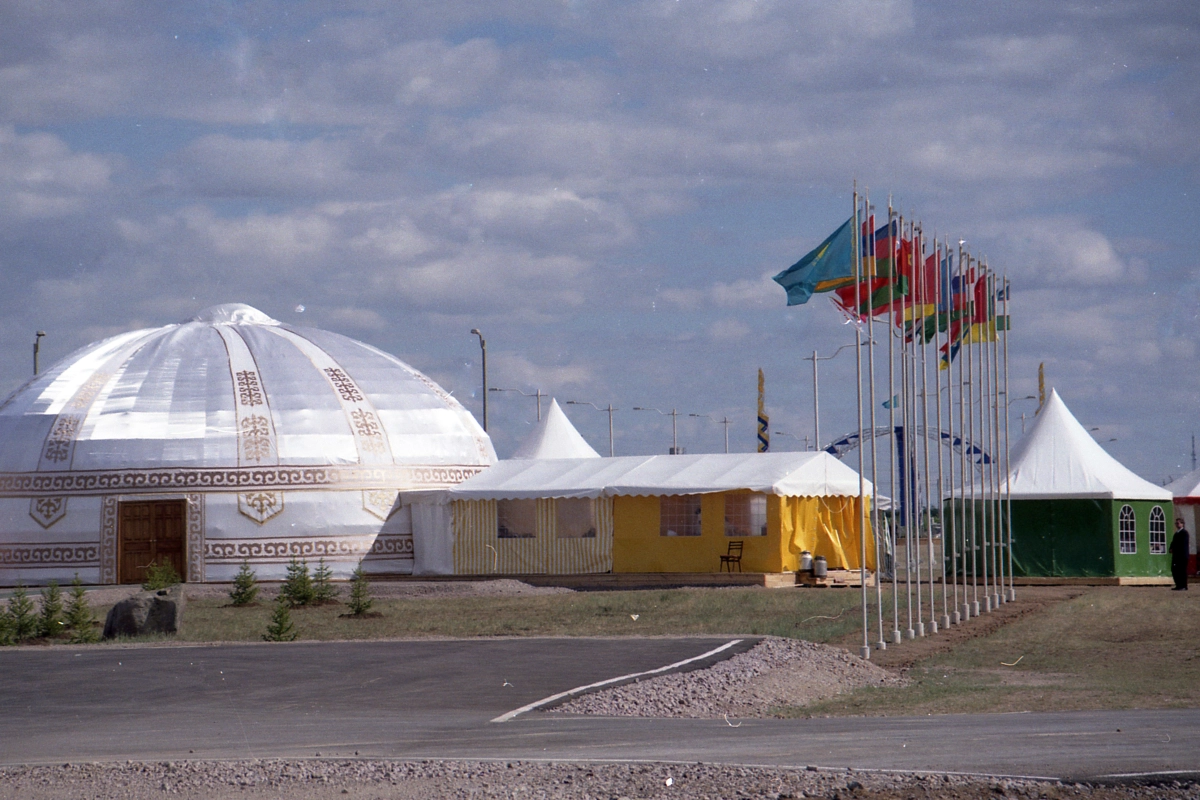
(835, 579)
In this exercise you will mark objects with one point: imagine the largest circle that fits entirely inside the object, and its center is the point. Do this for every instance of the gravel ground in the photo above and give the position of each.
(776, 672)
(400, 780)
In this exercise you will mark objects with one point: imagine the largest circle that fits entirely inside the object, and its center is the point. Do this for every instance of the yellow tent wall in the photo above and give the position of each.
(826, 526)
(823, 526)
(479, 551)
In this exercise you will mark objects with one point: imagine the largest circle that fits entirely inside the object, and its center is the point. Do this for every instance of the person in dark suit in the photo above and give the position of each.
(1180, 545)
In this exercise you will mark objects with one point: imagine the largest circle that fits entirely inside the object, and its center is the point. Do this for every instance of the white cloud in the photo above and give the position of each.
(728, 330)
(1064, 250)
(41, 178)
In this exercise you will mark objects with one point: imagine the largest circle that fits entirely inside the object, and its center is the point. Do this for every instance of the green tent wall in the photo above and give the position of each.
(1065, 538)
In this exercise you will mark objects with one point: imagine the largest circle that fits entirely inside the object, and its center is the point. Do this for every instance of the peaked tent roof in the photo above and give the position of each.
(1058, 458)
(554, 437)
(1187, 486)
(792, 474)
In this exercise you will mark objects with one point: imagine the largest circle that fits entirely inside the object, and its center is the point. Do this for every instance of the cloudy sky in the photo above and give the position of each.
(605, 190)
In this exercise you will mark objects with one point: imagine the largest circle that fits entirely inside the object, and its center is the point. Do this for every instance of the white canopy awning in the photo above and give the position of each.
(789, 474)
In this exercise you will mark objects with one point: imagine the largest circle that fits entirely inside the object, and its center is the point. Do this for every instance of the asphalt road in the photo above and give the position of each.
(435, 699)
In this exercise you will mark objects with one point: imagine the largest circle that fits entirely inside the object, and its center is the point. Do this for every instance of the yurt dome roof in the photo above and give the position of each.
(233, 388)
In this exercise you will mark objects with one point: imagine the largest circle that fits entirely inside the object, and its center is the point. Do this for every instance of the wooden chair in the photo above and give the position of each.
(732, 556)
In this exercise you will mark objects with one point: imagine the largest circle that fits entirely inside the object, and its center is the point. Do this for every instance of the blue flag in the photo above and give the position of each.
(829, 267)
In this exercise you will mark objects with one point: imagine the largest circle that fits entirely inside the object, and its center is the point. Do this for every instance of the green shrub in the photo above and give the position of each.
(51, 622)
(22, 619)
(324, 592)
(297, 589)
(245, 586)
(6, 631)
(80, 623)
(161, 576)
(360, 593)
(281, 628)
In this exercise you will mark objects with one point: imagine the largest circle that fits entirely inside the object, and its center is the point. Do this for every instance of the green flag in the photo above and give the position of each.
(828, 267)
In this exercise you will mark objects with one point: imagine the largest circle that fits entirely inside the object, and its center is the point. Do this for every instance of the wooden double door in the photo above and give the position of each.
(151, 532)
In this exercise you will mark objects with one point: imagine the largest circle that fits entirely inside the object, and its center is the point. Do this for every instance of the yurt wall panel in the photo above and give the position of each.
(640, 546)
(479, 550)
(392, 551)
(270, 528)
(44, 539)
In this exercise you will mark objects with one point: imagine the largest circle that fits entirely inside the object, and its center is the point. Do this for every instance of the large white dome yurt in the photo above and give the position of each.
(229, 437)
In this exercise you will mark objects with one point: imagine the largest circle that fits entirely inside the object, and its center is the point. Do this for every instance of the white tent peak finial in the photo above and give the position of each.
(233, 314)
(555, 437)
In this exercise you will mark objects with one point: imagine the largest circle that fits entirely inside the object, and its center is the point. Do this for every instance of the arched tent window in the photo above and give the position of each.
(1127, 526)
(1158, 531)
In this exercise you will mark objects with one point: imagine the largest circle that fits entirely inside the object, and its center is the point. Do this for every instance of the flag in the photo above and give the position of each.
(828, 267)
(882, 288)
(893, 403)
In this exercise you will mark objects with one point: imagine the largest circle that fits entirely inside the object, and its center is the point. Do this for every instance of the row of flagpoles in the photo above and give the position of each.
(922, 293)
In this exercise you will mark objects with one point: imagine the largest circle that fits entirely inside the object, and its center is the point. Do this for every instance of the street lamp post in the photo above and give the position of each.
(814, 358)
(794, 436)
(483, 350)
(610, 410)
(723, 421)
(673, 414)
(539, 394)
(37, 345)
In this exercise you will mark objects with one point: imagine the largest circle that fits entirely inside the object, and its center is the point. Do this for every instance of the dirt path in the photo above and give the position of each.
(1030, 600)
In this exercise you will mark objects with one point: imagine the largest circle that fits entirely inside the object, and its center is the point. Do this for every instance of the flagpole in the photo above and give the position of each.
(1001, 595)
(1012, 592)
(940, 300)
(892, 455)
(983, 466)
(970, 356)
(912, 516)
(963, 435)
(882, 643)
(925, 297)
(865, 650)
(986, 407)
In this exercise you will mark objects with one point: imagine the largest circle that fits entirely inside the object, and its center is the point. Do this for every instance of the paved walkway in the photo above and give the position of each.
(435, 699)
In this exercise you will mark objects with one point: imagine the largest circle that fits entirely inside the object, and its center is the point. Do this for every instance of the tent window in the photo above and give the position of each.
(746, 514)
(679, 515)
(516, 519)
(1158, 531)
(1127, 526)
(575, 518)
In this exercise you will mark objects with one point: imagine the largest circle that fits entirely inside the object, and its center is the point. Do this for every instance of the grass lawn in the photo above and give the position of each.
(1109, 647)
(814, 615)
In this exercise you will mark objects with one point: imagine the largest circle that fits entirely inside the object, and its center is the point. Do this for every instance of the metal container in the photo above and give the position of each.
(819, 568)
(805, 561)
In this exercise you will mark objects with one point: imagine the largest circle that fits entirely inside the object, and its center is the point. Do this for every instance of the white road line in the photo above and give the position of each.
(547, 700)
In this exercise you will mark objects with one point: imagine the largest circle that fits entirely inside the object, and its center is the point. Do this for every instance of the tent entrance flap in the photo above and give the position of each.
(827, 526)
